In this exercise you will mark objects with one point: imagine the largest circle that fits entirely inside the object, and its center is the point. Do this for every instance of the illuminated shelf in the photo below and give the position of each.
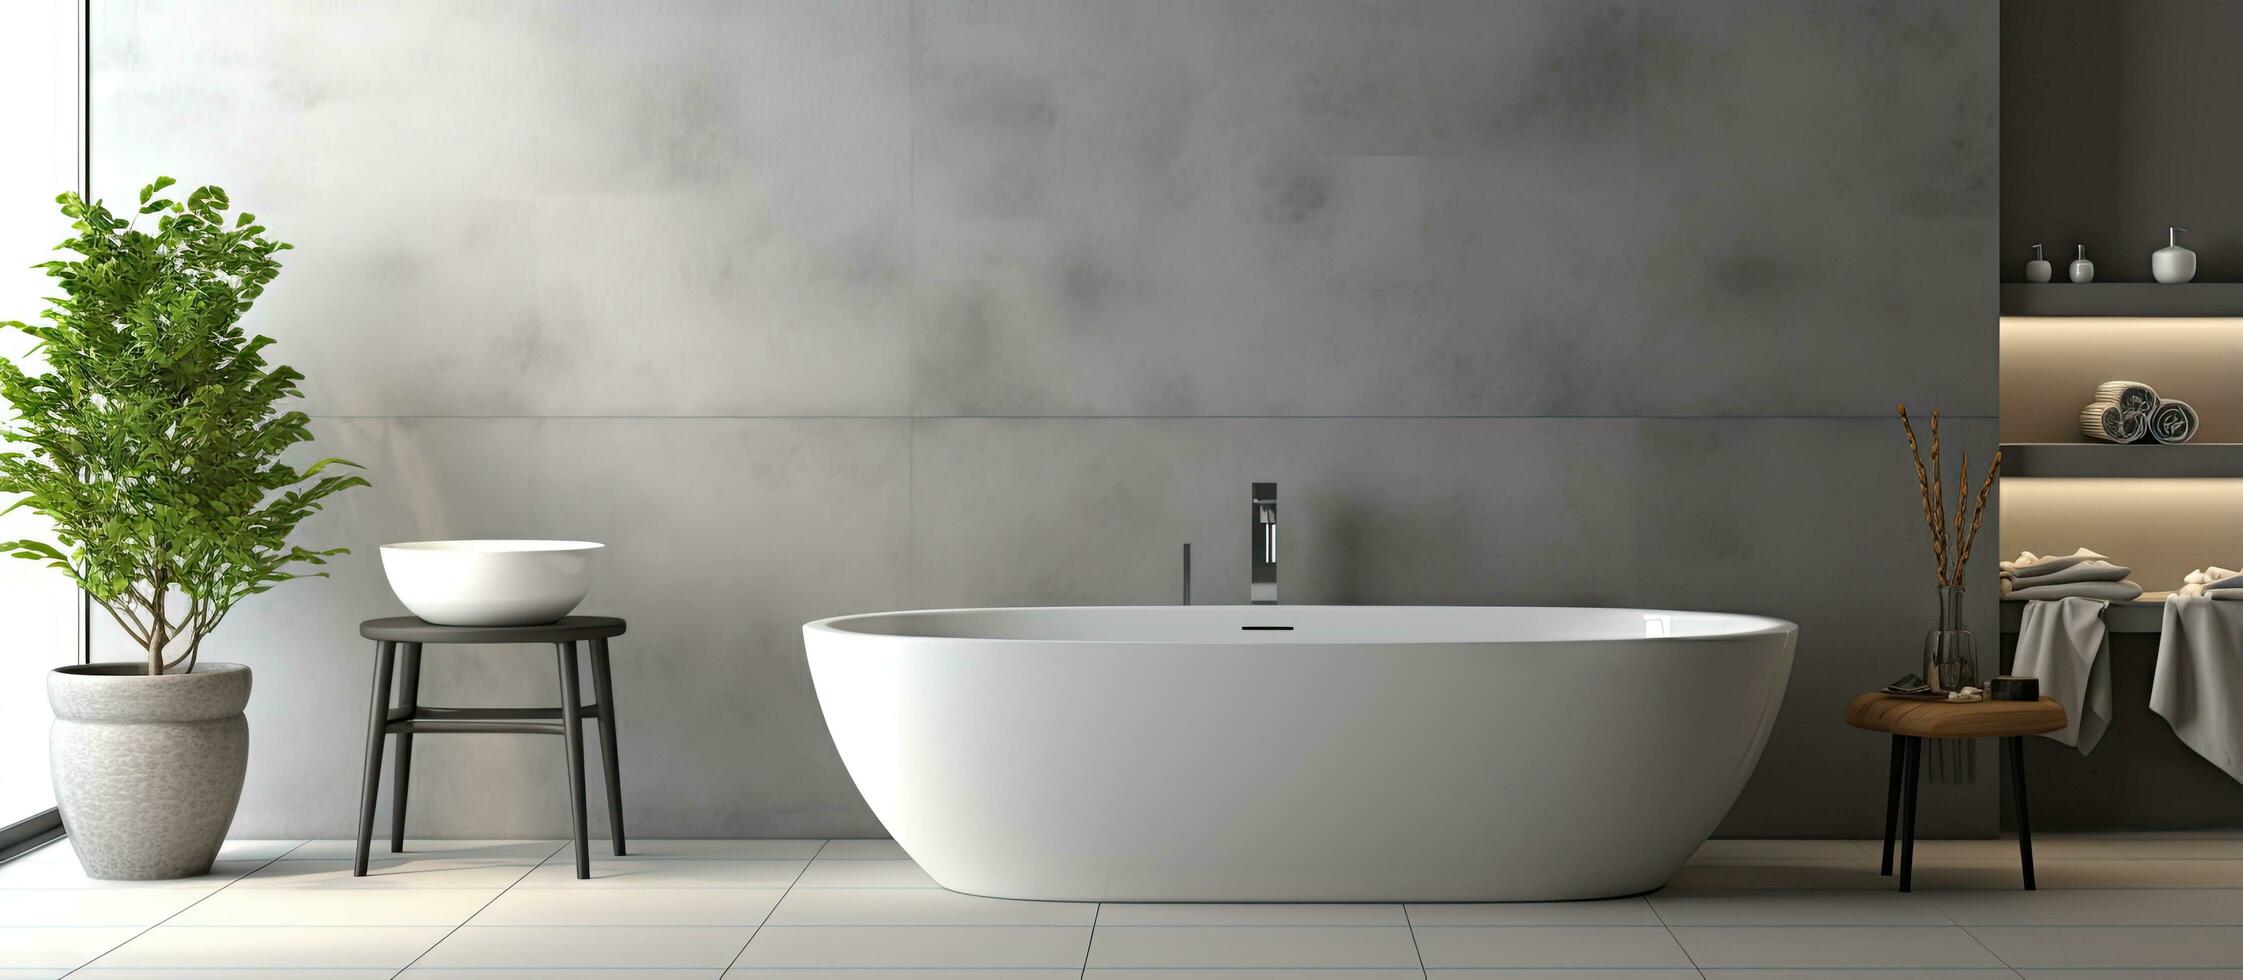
(2102, 459)
(2122, 299)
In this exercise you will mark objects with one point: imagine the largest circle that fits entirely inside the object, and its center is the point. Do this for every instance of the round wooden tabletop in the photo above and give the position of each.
(1880, 712)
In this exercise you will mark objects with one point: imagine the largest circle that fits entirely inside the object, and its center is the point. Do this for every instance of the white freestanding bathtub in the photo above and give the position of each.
(1300, 753)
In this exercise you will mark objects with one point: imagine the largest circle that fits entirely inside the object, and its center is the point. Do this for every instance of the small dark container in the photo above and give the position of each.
(2006, 688)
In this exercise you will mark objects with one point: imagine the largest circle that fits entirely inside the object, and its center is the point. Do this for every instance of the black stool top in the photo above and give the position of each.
(413, 629)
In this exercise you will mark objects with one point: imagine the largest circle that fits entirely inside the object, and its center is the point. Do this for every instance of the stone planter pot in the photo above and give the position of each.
(147, 769)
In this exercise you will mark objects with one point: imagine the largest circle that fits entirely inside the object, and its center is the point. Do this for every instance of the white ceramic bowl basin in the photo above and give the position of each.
(490, 582)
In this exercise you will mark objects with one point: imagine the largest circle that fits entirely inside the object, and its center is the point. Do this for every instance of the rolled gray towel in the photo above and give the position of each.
(2173, 423)
(2107, 422)
(2227, 594)
(2131, 397)
(2113, 591)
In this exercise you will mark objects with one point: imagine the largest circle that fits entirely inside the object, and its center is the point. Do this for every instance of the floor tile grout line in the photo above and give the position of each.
(1931, 898)
(269, 862)
(1671, 937)
(1414, 948)
(532, 869)
(1091, 942)
(743, 950)
(1982, 945)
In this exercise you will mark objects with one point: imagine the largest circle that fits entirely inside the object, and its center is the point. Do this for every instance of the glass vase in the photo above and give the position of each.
(1950, 655)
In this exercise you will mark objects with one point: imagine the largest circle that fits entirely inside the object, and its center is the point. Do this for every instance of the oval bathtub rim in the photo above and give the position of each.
(1765, 626)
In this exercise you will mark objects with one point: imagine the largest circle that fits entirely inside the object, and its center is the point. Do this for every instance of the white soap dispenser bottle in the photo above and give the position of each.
(2037, 270)
(2173, 263)
(2083, 270)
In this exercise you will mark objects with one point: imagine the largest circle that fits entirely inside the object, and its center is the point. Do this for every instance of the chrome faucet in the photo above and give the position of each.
(1262, 586)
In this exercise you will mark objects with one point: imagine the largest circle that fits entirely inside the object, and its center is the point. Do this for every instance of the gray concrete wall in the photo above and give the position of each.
(826, 307)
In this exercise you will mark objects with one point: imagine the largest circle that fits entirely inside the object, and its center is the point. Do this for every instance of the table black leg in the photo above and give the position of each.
(603, 691)
(1892, 804)
(2016, 747)
(572, 732)
(377, 724)
(408, 697)
(1913, 758)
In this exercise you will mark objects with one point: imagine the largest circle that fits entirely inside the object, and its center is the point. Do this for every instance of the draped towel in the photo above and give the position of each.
(2063, 643)
(2198, 687)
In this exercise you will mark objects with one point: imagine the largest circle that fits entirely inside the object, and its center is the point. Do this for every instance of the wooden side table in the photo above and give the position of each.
(1911, 721)
(397, 650)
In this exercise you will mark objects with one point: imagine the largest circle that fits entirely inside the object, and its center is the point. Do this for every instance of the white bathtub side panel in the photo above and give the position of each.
(1299, 772)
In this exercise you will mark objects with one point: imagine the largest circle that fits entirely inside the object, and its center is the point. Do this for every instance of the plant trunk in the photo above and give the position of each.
(156, 637)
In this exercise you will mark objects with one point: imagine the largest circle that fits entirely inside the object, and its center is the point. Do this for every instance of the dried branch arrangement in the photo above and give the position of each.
(1950, 541)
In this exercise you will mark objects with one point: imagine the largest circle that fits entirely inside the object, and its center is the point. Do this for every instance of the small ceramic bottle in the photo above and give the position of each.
(2173, 263)
(2083, 270)
(2037, 270)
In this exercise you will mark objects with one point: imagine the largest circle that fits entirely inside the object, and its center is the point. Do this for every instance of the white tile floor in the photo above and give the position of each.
(2131, 905)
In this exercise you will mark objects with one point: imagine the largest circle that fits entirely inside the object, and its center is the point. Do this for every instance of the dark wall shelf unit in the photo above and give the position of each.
(2139, 616)
(2141, 776)
(2122, 299)
(2100, 459)
(2110, 133)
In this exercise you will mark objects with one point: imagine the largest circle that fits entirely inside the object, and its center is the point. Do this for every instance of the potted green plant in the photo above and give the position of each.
(151, 440)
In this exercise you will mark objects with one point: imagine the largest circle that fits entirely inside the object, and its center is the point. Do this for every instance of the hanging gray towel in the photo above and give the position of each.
(2063, 643)
(2198, 687)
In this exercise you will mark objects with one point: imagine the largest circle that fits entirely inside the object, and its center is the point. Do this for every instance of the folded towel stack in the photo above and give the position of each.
(2213, 583)
(2082, 573)
(2029, 565)
(2173, 423)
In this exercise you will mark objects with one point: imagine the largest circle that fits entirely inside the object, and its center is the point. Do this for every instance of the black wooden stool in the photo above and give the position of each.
(411, 718)
(1910, 722)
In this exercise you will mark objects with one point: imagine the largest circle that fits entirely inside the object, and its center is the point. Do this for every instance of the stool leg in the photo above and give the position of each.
(1910, 790)
(603, 691)
(572, 733)
(409, 698)
(377, 724)
(1892, 804)
(2016, 747)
